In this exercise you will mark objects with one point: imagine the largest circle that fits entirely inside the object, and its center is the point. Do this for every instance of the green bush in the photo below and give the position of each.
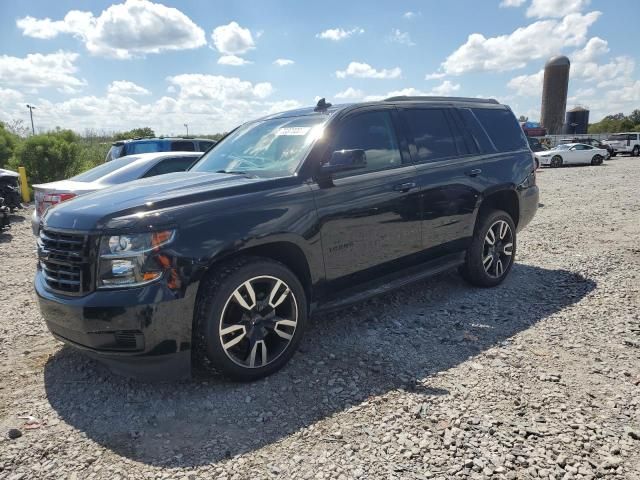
(49, 157)
(8, 142)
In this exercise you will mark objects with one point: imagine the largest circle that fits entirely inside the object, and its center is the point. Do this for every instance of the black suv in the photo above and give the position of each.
(289, 215)
(149, 145)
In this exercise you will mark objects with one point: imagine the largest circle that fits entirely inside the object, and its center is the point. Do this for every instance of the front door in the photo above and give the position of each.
(369, 217)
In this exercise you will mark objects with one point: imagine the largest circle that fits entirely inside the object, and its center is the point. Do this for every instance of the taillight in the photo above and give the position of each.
(50, 199)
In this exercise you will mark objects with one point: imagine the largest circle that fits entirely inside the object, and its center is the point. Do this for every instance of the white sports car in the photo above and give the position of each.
(572, 154)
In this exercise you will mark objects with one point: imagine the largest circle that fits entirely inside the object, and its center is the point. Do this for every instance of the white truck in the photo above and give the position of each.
(628, 142)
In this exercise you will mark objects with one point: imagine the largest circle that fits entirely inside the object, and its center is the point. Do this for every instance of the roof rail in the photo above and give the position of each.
(404, 98)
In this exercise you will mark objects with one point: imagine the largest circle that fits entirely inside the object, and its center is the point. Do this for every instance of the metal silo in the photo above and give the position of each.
(577, 121)
(554, 94)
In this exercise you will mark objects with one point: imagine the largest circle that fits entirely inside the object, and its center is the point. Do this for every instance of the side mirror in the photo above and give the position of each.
(344, 160)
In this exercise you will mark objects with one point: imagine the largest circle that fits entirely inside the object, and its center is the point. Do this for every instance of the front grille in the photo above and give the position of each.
(64, 261)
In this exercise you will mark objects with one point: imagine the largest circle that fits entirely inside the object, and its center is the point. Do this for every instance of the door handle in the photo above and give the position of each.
(404, 187)
(473, 173)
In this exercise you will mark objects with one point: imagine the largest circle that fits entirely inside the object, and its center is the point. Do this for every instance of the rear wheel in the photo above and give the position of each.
(597, 160)
(492, 251)
(250, 318)
(556, 161)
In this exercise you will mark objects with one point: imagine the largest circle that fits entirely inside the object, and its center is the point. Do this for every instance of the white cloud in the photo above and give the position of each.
(411, 15)
(125, 30)
(527, 85)
(555, 8)
(511, 3)
(233, 60)
(232, 39)
(37, 70)
(125, 87)
(283, 62)
(538, 40)
(446, 88)
(209, 103)
(364, 70)
(403, 38)
(350, 94)
(435, 76)
(218, 88)
(337, 34)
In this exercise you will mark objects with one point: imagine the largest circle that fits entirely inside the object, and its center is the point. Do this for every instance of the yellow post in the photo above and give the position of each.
(23, 184)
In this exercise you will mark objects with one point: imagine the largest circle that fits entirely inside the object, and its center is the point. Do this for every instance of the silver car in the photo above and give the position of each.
(121, 170)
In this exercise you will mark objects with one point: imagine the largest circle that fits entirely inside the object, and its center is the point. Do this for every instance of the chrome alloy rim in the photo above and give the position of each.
(258, 321)
(497, 252)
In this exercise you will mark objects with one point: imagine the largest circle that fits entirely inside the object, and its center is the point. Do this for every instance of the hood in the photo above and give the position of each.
(102, 209)
(8, 173)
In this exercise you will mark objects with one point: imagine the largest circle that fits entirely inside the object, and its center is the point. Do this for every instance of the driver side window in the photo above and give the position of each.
(372, 132)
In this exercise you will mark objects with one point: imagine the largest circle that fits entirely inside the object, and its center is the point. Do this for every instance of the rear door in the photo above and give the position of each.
(369, 218)
(449, 175)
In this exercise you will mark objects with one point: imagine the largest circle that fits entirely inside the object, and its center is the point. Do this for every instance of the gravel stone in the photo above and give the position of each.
(537, 378)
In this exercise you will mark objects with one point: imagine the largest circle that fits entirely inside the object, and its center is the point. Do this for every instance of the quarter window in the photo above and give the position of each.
(432, 134)
(372, 132)
(502, 127)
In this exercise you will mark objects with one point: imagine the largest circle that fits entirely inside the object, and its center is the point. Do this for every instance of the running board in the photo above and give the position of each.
(394, 281)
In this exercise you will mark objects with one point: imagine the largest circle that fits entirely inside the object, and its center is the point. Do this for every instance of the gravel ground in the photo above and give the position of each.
(538, 378)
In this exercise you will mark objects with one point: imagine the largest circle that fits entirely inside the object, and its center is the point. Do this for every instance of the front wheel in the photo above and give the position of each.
(636, 151)
(556, 161)
(250, 318)
(492, 251)
(597, 160)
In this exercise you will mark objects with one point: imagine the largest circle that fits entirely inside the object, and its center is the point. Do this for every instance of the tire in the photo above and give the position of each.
(537, 163)
(613, 154)
(636, 151)
(473, 270)
(597, 160)
(235, 340)
(556, 161)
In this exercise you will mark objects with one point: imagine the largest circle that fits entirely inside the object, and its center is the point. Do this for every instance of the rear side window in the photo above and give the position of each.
(182, 147)
(502, 127)
(431, 133)
(204, 146)
(170, 165)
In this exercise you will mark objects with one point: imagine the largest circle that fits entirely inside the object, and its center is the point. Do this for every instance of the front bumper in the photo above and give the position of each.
(141, 332)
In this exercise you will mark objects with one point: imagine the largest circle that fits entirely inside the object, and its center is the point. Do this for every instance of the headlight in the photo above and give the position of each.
(133, 260)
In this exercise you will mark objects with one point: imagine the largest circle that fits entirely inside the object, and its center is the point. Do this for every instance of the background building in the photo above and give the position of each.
(554, 94)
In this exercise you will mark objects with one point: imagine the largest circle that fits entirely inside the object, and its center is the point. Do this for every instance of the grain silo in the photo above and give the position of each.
(577, 121)
(554, 94)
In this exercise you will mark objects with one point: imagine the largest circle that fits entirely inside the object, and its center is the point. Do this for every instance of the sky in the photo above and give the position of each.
(215, 64)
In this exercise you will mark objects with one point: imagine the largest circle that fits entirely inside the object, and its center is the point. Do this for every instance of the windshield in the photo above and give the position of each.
(100, 171)
(145, 147)
(269, 148)
(618, 137)
(563, 147)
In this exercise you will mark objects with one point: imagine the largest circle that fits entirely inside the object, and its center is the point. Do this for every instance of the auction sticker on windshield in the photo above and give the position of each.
(293, 131)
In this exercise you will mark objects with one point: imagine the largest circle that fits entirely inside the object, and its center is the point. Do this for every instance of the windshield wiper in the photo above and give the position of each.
(232, 172)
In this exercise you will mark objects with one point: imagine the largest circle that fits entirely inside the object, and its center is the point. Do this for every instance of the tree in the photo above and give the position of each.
(634, 117)
(8, 143)
(135, 133)
(18, 127)
(49, 157)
